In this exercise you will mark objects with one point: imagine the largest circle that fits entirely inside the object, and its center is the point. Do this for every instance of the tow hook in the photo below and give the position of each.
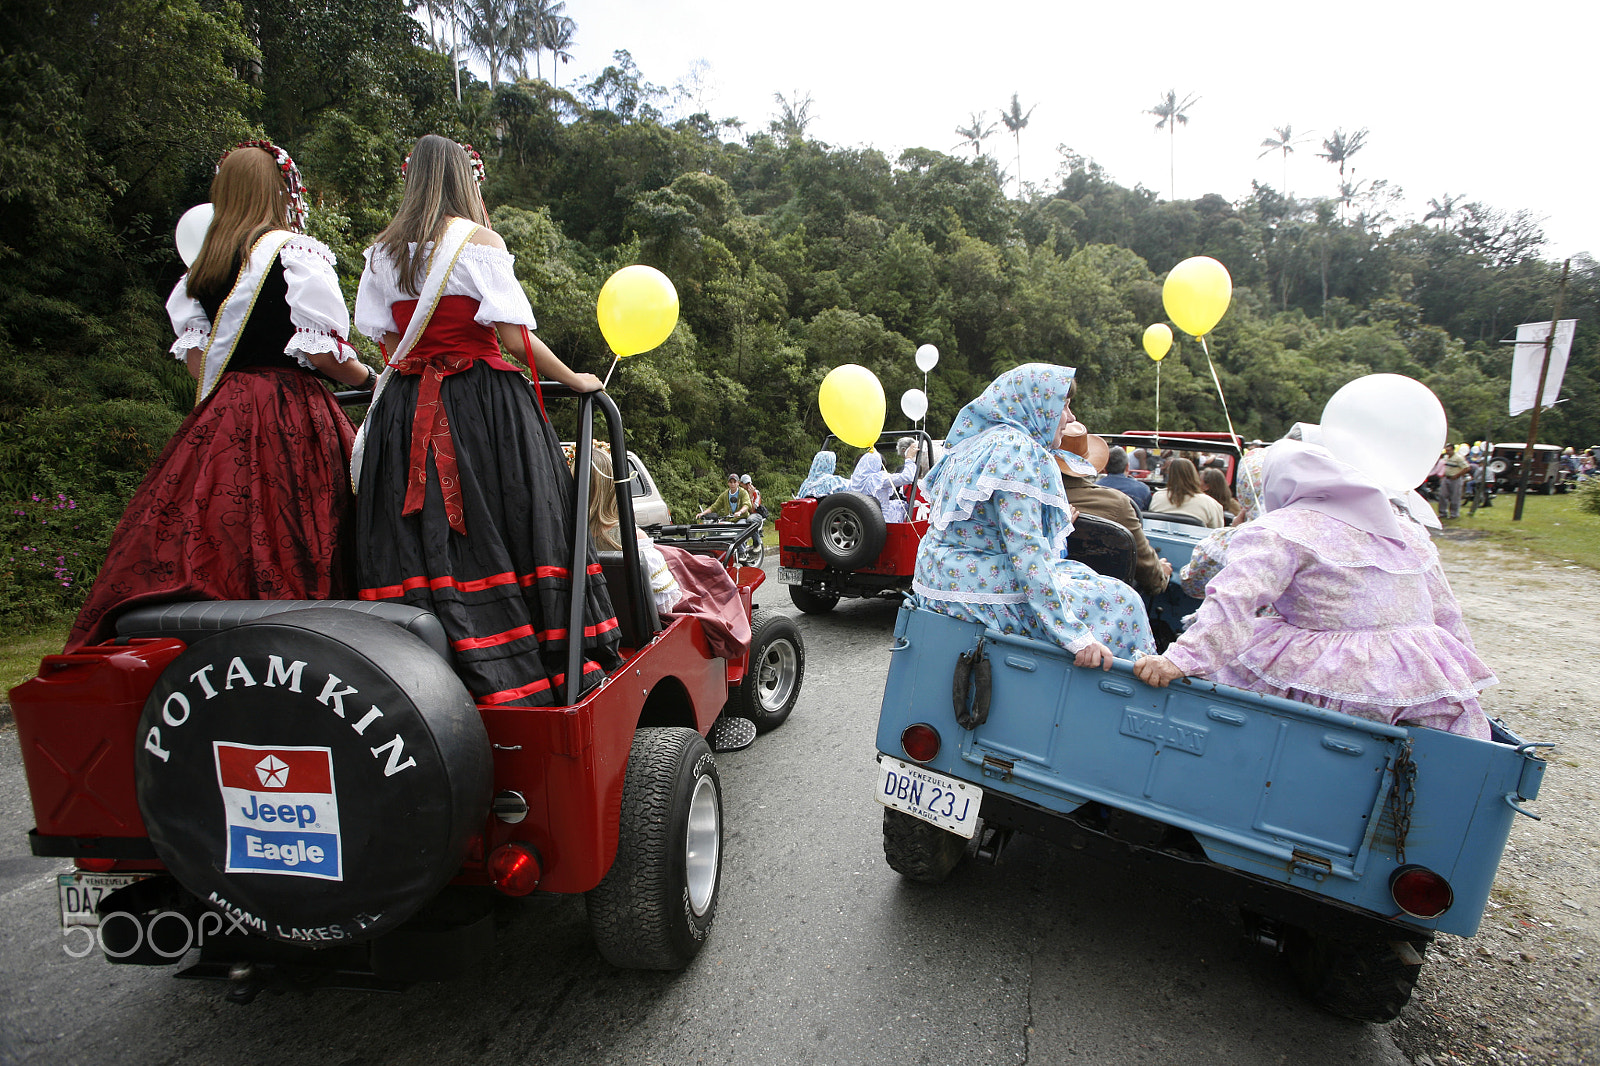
(245, 985)
(991, 842)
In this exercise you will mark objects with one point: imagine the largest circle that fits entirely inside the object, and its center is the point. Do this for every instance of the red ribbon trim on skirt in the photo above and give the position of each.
(509, 694)
(389, 592)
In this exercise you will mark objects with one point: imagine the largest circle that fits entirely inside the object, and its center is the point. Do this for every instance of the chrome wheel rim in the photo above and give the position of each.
(701, 844)
(775, 675)
(843, 531)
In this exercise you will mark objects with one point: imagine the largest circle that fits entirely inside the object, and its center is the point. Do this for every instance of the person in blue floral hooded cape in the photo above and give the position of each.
(999, 525)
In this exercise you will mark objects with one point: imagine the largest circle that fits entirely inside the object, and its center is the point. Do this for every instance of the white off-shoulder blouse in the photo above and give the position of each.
(316, 305)
(483, 273)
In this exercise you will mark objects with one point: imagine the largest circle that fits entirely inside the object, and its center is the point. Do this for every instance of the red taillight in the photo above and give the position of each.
(96, 866)
(515, 868)
(1420, 892)
(920, 742)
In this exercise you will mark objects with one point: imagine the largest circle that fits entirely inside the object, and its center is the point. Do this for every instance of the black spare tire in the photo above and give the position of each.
(316, 774)
(848, 530)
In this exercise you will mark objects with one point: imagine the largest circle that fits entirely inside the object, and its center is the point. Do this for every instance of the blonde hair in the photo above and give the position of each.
(603, 516)
(440, 185)
(1183, 481)
(249, 198)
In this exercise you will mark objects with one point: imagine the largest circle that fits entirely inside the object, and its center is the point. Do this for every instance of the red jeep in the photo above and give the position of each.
(306, 790)
(840, 546)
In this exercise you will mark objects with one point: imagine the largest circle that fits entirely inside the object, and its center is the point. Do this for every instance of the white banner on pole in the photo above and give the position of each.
(1530, 356)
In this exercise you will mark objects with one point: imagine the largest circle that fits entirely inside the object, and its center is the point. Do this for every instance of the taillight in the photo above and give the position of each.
(96, 866)
(515, 868)
(920, 742)
(1420, 892)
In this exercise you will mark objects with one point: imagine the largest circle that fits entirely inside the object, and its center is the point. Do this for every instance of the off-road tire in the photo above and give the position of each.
(918, 850)
(1365, 981)
(812, 602)
(771, 686)
(655, 906)
(752, 551)
(848, 530)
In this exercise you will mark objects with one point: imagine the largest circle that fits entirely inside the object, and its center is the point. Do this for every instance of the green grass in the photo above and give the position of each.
(1552, 528)
(20, 653)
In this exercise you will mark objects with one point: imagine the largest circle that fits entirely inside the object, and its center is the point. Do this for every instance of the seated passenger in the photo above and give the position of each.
(1215, 480)
(605, 533)
(1365, 622)
(1083, 455)
(1211, 554)
(1116, 477)
(821, 481)
(1185, 495)
(1000, 521)
(870, 478)
(694, 586)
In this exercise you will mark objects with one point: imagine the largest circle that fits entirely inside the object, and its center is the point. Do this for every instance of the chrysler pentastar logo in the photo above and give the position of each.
(274, 772)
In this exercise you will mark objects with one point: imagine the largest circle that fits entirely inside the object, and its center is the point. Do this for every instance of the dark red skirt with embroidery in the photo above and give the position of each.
(502, 588)
(249, 500)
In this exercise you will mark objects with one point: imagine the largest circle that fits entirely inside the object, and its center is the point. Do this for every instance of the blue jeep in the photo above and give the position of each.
(1346, 843)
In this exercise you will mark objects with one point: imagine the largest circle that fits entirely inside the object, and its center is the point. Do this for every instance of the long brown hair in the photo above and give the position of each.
(439, 184)
(249, 198)
(1217, 488)
(1182, 481)
(603, 516)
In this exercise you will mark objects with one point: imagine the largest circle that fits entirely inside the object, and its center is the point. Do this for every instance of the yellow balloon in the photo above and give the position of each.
(1157, 341)
(1196, 294)
(852, 403)
(637, 309)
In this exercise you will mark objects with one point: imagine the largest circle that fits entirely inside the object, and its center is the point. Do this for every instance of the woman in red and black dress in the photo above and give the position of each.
(464, 502)
(250, 498)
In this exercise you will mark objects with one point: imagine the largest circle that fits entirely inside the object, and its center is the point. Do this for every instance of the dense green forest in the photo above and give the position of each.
(790, 256)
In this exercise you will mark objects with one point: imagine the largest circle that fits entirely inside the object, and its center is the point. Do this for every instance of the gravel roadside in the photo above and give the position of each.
(1525, 989)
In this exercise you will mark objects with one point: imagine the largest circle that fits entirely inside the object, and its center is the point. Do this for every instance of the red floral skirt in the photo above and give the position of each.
(249, 500)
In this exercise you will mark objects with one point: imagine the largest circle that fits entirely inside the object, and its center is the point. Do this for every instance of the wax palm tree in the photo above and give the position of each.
(543, 17)
(1338, 150)
(448, 41)
(975, 134)
(498, 31)
(794, 115)
(1283, 140)
(1442, 209)
(558, 42)
(1015, 121)
(1171, 113)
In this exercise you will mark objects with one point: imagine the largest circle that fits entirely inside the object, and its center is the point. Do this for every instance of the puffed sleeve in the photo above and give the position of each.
(189, 320)
(375, 298)
(1034, 567)
(1208, 558)
(500, 295)
(1260, 568)
(316, 304)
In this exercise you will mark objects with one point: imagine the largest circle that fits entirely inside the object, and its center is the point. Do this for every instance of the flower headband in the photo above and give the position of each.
(291, 179)
(472, 156)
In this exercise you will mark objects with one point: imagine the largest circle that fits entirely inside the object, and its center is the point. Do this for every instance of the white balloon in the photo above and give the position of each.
(914, 402)
(191, 233)
(927, 358)
(1388, 426)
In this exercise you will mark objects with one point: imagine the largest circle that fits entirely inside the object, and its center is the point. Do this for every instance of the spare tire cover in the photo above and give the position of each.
(315, 774)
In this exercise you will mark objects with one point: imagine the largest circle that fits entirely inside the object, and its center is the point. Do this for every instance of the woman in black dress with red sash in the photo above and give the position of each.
(464, 503)
(250, 498)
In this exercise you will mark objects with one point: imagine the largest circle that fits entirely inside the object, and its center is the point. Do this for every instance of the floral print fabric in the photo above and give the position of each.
(1211, 554)
(999, 526)
(821, 480)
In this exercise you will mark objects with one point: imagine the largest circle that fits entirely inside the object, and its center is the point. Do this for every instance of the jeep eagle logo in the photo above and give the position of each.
(274, 773)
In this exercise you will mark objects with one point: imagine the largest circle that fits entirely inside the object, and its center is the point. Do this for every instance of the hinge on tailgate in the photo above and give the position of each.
(1308, 865)
(994, 766)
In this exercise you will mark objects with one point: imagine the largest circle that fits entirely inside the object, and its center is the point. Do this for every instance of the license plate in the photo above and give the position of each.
(80, 893)
(942, 801)
(788, 577)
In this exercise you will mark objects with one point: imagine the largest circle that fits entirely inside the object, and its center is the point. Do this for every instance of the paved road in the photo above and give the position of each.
(820, 954)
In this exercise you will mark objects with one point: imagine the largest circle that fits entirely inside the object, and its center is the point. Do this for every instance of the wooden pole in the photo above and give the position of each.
(1538, 397)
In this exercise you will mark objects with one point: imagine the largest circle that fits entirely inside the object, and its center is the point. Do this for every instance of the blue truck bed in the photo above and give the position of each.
(1316, 803)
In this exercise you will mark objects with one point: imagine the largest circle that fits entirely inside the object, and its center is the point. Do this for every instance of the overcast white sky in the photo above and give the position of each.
(1485, 101)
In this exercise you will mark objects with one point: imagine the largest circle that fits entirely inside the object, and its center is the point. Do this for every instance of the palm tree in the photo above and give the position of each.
(975, 134)
(544, 19)
(1338, 149)
(1015, 120)
(558, 42)
(1284, 142)
(1442, 209)
(449, 13)
(1170, 114)
(499, 32)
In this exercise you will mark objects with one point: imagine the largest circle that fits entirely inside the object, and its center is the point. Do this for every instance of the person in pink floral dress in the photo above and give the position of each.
(1365, 622)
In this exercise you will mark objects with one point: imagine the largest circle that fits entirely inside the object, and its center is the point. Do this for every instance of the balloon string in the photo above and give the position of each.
(615, 359)
(1158, 405)
(1217, 382)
